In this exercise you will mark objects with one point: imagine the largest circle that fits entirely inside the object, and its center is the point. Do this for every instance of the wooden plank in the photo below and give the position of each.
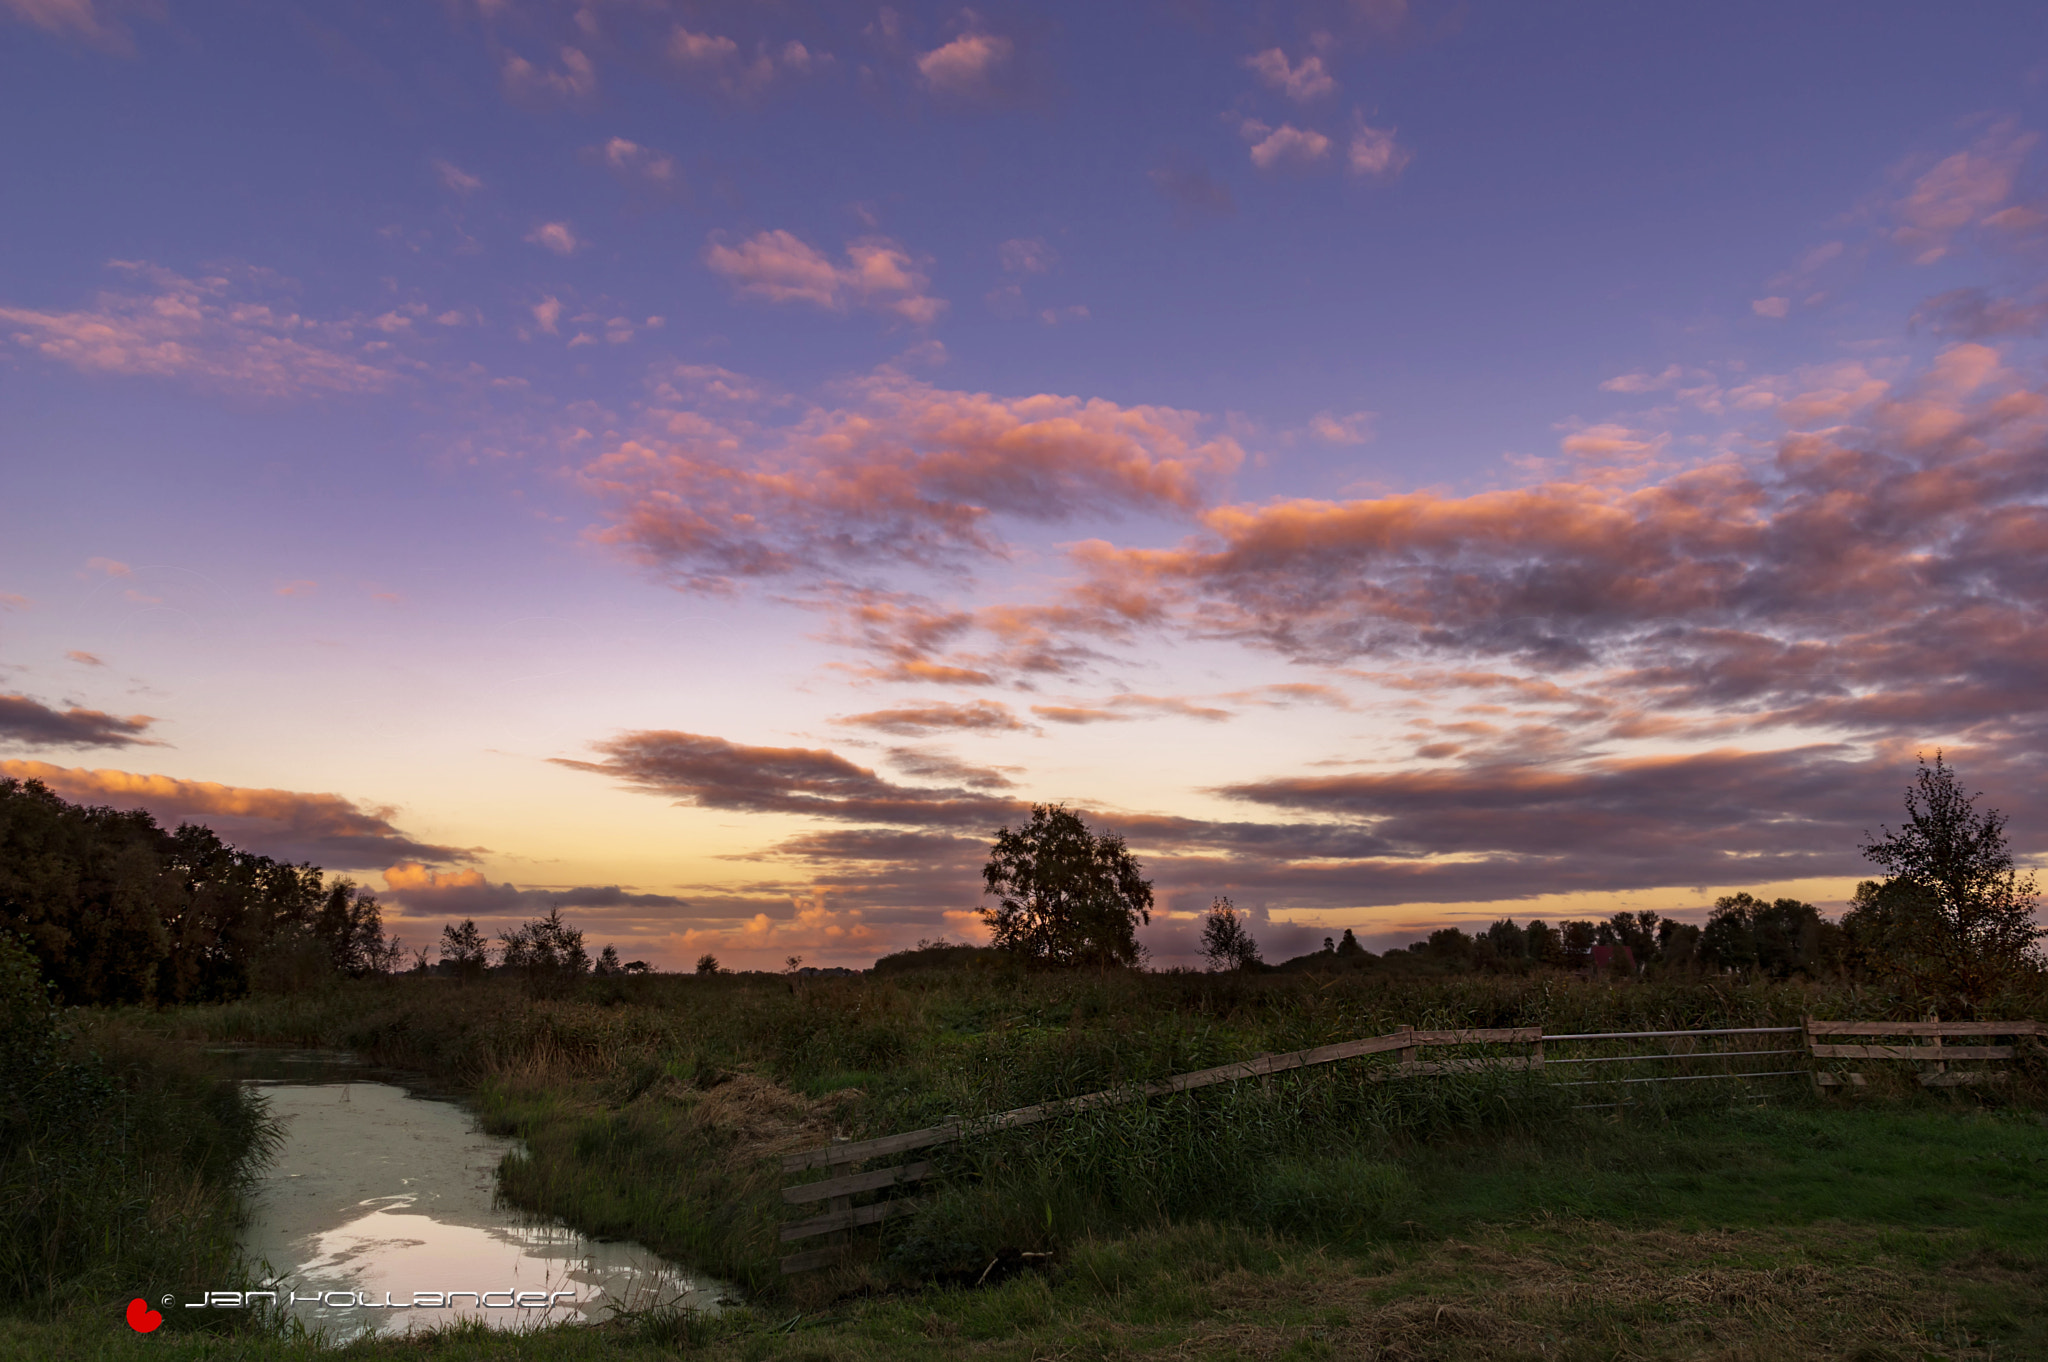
(1923, 1028)
(841, 1220)
(859, 1151)
(814, 1258)
(1929, 1052)
(856, 1182)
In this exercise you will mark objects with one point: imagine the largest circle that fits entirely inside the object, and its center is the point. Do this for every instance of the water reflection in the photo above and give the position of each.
(382, 1204)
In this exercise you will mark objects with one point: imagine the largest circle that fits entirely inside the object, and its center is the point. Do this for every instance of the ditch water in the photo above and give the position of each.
(383, 1199)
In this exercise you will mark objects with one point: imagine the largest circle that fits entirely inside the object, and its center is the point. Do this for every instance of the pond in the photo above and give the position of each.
(380, 1213)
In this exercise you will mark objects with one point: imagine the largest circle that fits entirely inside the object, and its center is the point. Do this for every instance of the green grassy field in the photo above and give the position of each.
(1319, 1215)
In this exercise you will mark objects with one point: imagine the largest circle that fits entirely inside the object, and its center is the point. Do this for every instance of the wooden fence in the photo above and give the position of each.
(1407, 1044)
(1926, 1047)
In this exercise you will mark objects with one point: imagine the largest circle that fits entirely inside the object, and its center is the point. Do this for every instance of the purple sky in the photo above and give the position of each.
(710, 466)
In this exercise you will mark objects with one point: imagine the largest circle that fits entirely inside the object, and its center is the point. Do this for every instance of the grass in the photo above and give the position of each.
(1316, 1216)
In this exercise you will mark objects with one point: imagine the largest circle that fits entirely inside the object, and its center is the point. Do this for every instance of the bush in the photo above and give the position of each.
(119, 1165)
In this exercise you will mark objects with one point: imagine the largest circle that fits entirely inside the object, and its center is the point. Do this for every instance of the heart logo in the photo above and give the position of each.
(141, 1318)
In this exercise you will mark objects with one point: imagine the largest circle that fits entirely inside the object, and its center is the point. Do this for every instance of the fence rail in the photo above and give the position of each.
(1406, 1045)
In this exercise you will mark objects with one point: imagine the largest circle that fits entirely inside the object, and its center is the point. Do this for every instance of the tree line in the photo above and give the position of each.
(116, 909)
(1952, 922)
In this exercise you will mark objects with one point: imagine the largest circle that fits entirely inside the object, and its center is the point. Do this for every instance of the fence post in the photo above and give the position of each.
(1940, 1065)
(1408, 1052)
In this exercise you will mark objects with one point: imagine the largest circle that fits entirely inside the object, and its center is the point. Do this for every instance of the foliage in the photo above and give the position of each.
(707, 964)
(117, 910)
(1780, 938)
(1955, 917)
(1064, 895)
(547, 951)
(119, 1161)
(1226, 941)
(464, 949)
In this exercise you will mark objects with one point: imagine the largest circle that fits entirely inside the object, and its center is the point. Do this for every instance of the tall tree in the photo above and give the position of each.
(1226, 940)
(1962, 916)
(1064, 895)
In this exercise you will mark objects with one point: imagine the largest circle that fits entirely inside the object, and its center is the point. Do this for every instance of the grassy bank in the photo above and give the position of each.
(1310, 1214)
(1767, 1233)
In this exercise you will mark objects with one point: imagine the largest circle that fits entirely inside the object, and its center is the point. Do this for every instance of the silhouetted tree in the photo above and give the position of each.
(1960, 916)
(1777, 939)
(548, 951)
(1506, 940)
(1064, 895)
(608, 962)
(707, 964)
(1226, 941)
(1678, 944)
(1348, 945)
(116, 910)
(464, 949)
(1576, 944)
(1546, 944)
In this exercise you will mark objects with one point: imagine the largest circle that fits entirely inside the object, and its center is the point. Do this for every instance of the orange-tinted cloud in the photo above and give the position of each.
(325, 829)
(1273, 148)
(714, 773)
(207, 330)
(879, 274)
(971, 66)
(83, 658)
(35, 724)
(1970, 188)
(939, 716)
(1119, 708)
(907, 473)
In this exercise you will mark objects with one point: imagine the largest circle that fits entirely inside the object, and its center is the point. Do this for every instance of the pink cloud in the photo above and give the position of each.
(986, 716)
(717, 61)
(85, 659)
(70, 18)
(1285, 145)
(1118, 708)
(908, 473)
(1965, 189)
(326, 829)
(1374, 152)
(209, 331)
(576, 78)
(878, 274)
(1300, 83)
(1771, 307)
(1354, 429)
(631, 161)
(555, 236)
(966, 67)
(456, 179)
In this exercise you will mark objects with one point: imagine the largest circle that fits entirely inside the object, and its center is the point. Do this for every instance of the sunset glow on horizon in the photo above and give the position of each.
(708, 467)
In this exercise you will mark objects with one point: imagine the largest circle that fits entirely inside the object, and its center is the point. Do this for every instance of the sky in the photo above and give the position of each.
(708, 467)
